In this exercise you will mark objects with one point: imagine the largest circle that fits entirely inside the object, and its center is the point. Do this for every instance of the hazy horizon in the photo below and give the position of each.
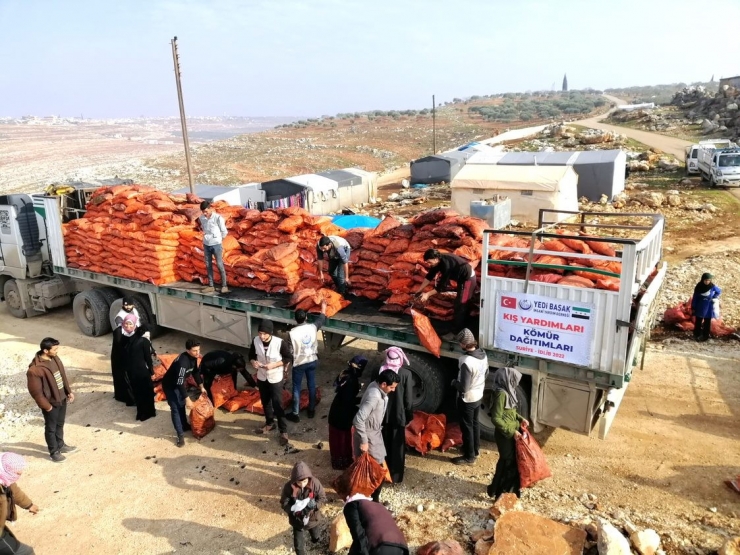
(322, 57)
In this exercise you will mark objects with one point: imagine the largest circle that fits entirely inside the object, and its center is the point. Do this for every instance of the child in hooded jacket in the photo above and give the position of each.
(302, 498)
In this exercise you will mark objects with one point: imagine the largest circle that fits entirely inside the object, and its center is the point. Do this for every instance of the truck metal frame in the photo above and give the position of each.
(581, 399)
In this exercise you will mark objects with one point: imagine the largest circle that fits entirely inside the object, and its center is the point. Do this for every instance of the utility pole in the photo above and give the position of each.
(434, 126)
(176, 59)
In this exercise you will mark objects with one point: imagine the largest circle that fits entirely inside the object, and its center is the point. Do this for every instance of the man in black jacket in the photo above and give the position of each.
(223, 363)
(450, 267)
(173, 385)
(374, 530)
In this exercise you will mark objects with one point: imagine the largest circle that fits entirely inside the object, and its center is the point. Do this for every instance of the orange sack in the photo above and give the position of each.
(363, 476)
(222, 390)
(201, 417)
(426, 334)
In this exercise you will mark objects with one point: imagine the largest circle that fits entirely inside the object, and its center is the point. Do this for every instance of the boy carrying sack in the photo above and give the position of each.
(302, 497)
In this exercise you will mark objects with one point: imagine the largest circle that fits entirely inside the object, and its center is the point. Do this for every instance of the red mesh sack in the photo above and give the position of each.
(222, 390)
(577, 281)
(453, 437)
(530, 460)
(426, 334)
(601, 248)
(434, 431)
(201, 417)
(363, 476)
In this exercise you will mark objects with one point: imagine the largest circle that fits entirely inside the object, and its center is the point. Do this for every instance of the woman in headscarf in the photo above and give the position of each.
(139, 368)
(342, 412)
(507, 420)
(398, 413)
(121, 388)
(11, 468)
(703, 305)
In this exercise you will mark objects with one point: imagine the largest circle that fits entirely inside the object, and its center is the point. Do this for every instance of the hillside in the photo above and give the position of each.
(376, 140)
(659, 94)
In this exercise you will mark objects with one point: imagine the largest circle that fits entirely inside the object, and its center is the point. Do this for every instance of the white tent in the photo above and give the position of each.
(324, 195)
(370, 179)
(529, 187)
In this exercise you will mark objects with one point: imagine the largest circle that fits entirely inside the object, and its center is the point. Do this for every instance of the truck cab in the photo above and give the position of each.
(691, 159)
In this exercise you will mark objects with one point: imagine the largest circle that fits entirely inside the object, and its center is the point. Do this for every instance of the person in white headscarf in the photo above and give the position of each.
(11, 496)
(398, 414)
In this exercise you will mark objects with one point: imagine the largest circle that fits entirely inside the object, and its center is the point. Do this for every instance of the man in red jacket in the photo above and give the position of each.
(48, 385)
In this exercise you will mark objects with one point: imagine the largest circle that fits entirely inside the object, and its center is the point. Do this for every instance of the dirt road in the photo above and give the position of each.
(670, 145)
(130, 490)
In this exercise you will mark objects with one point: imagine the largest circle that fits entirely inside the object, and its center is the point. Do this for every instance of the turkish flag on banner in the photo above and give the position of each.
(508, 302)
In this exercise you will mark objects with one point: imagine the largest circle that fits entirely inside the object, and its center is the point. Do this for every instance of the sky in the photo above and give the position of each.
(110, 59)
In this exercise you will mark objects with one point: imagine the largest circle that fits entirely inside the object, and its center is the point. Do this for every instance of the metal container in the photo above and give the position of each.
(496, 211)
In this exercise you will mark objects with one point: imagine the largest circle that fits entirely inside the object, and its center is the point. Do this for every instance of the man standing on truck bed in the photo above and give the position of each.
(49, 387)
(450, 267)
(173, 385)
(271, 357)
(214, 232)
(337, 251)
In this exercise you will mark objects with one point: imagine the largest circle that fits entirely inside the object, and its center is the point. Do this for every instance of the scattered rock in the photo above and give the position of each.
(611, 541)
(446, 547)
(668, 165)
(504, 504)
(731, 547)
(522, 533)
(339, 535)
(481, 535)
(483, 546)
(646, 542)
(650, 199)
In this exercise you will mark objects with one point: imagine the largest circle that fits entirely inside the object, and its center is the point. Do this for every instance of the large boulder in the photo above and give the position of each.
(651, 199)
(669, 165)
(339, 535)
(611, 541)
(522, 533)
(638, 166)
(446, 547)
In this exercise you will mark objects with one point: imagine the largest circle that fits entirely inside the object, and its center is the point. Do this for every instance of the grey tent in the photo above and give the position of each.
(439, 168)
(600, 172)
(352, 190)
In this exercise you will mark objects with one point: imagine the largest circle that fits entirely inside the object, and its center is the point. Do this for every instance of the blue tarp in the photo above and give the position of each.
(350, 222)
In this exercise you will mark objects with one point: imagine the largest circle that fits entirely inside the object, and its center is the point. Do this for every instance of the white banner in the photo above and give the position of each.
(544, 327)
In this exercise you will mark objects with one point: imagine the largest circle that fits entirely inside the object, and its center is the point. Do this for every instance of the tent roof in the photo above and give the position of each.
(317, 183)
(542, 178)
(599, 156)
(487, 157)
(344, 178)
(457, 155)
(541, 158)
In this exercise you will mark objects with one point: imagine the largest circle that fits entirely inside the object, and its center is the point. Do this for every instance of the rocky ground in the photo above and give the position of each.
(693, 113)
(661, 467)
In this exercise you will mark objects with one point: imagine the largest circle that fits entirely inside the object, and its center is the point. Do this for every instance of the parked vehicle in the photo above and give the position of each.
(576, 384)
(720, 166)
(691, 159)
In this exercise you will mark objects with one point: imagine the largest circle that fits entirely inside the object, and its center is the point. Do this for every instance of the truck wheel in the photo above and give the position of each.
(144, 306)
(13, 299)
(110, 295)
(484, 419)
(91, 313)
(428, 382)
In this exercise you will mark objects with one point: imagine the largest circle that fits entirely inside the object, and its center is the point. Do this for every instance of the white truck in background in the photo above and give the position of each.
(719, 163)
(692, 153)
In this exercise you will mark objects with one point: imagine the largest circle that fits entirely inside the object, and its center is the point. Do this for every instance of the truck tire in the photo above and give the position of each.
(428, 382)
(144, 306)
(484, 419)
(91, 313)
(110, 294)
(13, 299)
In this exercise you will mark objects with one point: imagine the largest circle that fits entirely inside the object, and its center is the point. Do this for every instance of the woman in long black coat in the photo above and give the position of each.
(121, 388)
(139, 368)
(342, 413)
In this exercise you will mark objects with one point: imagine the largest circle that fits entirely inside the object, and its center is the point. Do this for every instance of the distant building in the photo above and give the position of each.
(565, 82)
(731, 81)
